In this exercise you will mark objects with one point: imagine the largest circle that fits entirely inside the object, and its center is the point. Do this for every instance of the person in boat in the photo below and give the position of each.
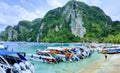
(32, 56)
(67, 56)
(56, 57)
(6, 48)
(56, 51)
(74, 57)
(74, 50)
(40, 57)
(89, 54)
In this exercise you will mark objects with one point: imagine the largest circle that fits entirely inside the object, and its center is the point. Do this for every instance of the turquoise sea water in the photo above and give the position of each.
(63, 67)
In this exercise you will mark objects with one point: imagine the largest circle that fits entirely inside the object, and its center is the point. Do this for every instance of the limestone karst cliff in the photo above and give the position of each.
(74, 22)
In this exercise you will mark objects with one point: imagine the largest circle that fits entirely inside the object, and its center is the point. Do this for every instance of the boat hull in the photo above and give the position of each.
(36, 57)
(111, 51)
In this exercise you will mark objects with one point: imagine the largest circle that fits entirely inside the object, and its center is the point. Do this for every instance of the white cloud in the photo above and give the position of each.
(92, 2)
(22, 1)
(110, 7)
(56, 3)
(41, 13)
(85, 1)
(13, 14)
(95, 2)
(2, 27)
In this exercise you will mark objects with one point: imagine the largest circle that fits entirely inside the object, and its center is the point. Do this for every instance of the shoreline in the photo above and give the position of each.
(111, 65)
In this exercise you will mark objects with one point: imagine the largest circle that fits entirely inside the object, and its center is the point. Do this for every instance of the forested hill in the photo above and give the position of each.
(74, 22)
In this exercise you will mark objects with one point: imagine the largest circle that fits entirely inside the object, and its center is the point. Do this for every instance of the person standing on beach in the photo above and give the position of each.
(105, 56)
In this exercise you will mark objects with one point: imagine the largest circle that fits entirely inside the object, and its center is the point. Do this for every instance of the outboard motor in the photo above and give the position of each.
(22, 65)
(16, 68)
(8, 70)
(29, 66)
(59, 59)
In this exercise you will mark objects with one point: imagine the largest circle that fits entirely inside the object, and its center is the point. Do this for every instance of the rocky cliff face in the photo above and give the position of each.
(12, 33)
(73, 13)
(40, 32)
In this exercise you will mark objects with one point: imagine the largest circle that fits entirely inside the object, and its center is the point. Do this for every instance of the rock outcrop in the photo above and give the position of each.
(72, 13)
(12, 33)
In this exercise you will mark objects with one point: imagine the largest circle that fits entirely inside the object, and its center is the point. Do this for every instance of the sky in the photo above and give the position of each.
(12, 11)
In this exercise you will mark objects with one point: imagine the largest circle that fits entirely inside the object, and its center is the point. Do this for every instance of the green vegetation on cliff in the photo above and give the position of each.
(66, 24)
(113, 33)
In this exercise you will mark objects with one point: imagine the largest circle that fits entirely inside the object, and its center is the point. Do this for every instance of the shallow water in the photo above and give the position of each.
(63, 67)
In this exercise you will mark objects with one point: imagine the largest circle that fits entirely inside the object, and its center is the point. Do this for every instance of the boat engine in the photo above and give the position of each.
(29, 66)
(22, 65)
(16, 68)
(9, 70)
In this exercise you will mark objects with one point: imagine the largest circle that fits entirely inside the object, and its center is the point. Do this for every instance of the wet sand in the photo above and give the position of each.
(109, 65)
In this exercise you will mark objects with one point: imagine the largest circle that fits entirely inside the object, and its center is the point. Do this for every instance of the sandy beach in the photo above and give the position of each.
(109, 65)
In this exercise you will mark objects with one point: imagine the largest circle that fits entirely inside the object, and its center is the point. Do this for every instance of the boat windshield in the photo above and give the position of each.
(69, 51)
(2, 61)
(43, 54)
(46, 54)
(61, 52)
(12, 58)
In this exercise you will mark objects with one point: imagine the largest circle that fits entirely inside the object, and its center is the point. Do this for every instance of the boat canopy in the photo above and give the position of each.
(43, 51)
(59, 48)
(55, 48)
(4, 52)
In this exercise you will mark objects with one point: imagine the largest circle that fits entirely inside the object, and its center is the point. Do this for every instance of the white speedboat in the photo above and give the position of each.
(42, 56)
(64, 53)
(14, 62)
(59, 51)
(82, 51)
(110, 50)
